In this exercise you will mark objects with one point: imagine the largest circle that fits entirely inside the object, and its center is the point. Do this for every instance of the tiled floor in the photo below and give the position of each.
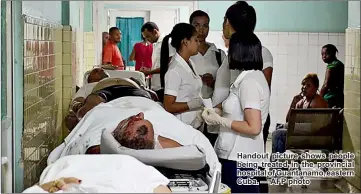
(317, 186)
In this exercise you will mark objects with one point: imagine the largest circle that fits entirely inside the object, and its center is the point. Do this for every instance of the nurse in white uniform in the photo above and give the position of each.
(246, 108)
(182, 84)
(224, 75)
(207, 62)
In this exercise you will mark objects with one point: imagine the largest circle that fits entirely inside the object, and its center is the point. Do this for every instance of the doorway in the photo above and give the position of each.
(131, 34)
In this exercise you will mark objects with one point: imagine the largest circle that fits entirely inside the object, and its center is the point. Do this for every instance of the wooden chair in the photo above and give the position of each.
(314, 129)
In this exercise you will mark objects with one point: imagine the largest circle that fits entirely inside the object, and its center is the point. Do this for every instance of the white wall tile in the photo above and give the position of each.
(323, 39)
(294, 55)
(303, 39)
(313, 39)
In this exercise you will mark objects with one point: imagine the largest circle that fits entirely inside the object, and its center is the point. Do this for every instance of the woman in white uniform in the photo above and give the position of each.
(207, 62)
(182, 84)
(246, 108)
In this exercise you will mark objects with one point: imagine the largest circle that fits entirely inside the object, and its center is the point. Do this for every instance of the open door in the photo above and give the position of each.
(131, 34)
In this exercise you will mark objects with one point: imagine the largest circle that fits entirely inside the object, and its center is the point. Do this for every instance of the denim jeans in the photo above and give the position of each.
(279, 141)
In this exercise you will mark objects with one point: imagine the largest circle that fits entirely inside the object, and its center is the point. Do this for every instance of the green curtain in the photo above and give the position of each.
(131, 34)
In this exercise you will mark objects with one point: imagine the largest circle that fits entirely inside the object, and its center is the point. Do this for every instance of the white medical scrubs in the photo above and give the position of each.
(250, 90)
(208, 63)
(182, 82)
(155, 81)
(225, 77)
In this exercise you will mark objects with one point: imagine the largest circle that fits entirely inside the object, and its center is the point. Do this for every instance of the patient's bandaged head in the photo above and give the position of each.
(135, 132)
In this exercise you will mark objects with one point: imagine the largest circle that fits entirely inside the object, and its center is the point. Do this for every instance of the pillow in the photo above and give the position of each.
(182, 158)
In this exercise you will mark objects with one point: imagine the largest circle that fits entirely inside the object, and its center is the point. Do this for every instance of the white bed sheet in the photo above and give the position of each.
(89, 130)
(105, 173)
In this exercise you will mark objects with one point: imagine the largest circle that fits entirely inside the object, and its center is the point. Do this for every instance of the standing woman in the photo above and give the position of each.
(246, 108)
(142, 55)
(332, 89)
(182, 84)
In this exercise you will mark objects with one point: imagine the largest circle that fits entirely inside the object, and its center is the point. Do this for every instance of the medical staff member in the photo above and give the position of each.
(209, 57)
(182, 84)
(152, 34)
(246, 108)
(207, 62)
(224, 77)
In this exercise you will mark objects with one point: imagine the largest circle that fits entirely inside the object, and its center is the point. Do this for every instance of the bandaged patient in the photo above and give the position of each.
(100, 174)
(138, 123)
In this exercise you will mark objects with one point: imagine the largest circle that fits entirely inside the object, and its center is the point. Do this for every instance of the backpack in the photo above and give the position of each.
(219, 57)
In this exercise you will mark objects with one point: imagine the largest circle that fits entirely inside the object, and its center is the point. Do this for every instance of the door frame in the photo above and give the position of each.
(7, 143)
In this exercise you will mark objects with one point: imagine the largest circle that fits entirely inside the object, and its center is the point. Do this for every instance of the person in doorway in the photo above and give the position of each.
(332, 89)
(152, 34)
(111, 53)
(182, 84)
(142, 55)
(105, 36)
(246, 108)
(207, 62)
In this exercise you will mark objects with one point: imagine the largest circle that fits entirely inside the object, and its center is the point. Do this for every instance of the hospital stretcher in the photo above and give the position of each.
(185, 166)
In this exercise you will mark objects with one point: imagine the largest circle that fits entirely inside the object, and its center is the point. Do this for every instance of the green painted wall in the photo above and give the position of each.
(88, 16)
(354, 14)
(287, 16)
(74, 14)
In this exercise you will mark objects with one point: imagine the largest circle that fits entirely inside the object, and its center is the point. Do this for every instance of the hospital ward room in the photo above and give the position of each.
(180, 96)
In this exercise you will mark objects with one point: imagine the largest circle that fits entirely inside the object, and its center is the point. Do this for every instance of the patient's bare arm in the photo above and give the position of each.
(77, 103)
(168, 143)
(162, 189)
(71, 120)
(91, 101)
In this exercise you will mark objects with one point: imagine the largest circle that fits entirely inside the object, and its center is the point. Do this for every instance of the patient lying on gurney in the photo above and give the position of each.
(100, 174)
(138, 123)
(106, 90)
(95, 75)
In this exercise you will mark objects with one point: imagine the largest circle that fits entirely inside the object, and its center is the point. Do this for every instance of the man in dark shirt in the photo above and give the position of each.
(106, 91)
(112, 89)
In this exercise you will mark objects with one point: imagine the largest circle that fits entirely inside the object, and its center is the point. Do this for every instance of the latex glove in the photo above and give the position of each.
(218, 111)
(212, 118)
(195, 103)
(198, 121)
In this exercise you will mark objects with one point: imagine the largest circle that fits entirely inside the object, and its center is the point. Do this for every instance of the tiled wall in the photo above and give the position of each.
(42, 95)
(351, 135)
(79, 43)
(69, 69)
(294, 55)
(89, 51)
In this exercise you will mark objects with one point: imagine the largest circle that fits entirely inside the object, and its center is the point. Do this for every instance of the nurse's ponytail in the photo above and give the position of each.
(179, 32)
(164, 58)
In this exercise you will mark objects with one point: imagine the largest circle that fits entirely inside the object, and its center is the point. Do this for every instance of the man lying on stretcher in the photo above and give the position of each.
(138, 123)
(108, 89)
